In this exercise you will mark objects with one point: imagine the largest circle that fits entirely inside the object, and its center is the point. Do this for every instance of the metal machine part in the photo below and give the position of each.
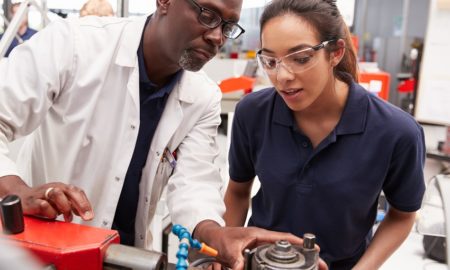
(284, 256)
(81, 247)
(125, 257)
(11, 215)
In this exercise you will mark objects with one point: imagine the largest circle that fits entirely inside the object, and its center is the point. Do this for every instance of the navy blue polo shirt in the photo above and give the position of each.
(27, 35)
(332, 190)
(152, 102)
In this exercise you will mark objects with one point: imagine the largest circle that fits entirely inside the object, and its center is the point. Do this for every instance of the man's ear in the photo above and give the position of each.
(163, 5)
(337, 55)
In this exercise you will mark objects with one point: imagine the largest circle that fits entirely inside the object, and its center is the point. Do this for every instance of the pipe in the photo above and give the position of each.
(120, 256)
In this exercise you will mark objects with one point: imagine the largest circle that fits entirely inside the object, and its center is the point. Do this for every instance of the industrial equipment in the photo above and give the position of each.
(284, 256)
(69, 246)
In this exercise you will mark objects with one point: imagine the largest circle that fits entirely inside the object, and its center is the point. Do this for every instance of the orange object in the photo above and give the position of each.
(207, 250)
(238, 83)
(66, 245)
(355, 41)
(377, 83)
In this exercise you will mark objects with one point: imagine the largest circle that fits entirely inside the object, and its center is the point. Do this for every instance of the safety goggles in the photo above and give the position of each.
(296, 62)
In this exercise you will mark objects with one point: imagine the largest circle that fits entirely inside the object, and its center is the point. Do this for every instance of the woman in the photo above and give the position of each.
(323, 147)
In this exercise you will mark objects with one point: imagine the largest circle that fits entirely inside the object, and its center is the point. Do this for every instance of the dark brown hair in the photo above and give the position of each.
(324, 16)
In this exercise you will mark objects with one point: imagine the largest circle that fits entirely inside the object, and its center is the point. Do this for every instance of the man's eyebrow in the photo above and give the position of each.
(215, 9)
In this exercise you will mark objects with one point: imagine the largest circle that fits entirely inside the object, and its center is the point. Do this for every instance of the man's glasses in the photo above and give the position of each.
(212, 20)
(296, 62)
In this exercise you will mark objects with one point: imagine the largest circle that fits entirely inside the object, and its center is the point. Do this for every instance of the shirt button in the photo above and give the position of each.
(141, 237)
(105, 223)
(133, 127)
(305, 144)
(158, 153)
(146, 199)
(117, 178)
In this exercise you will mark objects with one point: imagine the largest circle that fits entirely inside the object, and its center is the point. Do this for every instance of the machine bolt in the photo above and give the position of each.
(282, 252)
(283, 245)
(309, 240)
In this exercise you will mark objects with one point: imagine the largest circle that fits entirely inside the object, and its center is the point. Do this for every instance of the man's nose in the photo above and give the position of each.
(215, 36)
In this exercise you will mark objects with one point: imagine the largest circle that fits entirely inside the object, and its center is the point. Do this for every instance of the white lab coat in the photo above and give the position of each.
(75, 87)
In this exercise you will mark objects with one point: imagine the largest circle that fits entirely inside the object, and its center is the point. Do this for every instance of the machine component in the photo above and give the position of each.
(120, 257)
(70, 246)
(11, 215)
(283, 256)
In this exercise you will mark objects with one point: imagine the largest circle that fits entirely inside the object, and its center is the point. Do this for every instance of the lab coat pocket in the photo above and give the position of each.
(166, 167)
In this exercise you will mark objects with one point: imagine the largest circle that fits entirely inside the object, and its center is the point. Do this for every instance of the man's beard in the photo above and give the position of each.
(190, 62)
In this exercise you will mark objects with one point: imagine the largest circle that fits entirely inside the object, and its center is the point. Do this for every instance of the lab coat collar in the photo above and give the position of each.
(132, 33)
(185, 84)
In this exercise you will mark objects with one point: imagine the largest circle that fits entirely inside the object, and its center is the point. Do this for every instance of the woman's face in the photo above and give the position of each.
(301, 77)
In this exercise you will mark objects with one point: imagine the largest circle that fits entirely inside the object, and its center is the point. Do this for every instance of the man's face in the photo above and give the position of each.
(193, 41)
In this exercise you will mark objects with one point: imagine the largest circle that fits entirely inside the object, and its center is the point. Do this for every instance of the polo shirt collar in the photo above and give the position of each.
(354, 116)
(353, 119)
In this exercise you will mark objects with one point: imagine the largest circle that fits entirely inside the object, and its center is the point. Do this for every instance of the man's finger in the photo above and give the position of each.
(46, 210)
(80, 202)
(38, 207)
(57, 198)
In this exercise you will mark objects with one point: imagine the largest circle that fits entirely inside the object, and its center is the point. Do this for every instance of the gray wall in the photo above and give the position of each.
(378, 24)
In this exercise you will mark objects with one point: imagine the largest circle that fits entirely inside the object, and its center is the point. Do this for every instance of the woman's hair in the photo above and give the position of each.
(326, 19)
(96, 8)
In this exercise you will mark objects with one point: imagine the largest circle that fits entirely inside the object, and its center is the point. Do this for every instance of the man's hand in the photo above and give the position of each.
(49, 200)
(232, 241)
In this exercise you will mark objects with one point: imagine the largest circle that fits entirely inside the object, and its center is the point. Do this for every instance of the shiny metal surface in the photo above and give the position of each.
(125, 257)
(283, 256)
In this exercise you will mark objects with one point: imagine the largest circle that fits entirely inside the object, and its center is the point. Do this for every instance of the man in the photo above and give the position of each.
(115, 107)
(24, 31)
(96, 8)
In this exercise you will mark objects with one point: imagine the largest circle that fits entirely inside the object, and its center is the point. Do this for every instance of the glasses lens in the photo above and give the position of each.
(209, 18)
(269, 64)
(297, 62)
(231, 30)
(301, 61)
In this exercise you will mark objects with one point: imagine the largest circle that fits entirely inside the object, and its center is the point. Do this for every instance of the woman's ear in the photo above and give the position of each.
(337, 55)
